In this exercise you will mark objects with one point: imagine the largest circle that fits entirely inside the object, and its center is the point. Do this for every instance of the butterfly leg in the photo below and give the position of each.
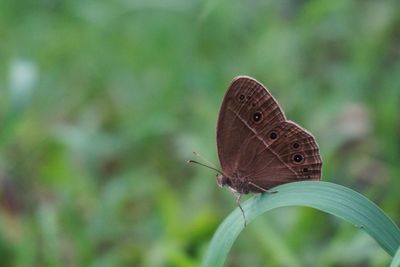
(263, 189)
(240, 206)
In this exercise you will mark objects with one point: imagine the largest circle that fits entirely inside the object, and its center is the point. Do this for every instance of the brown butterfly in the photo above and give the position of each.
(258, 148)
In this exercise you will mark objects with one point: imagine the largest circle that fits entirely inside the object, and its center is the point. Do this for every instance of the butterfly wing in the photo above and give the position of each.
(247, 109)
(257, 145)
(285, 153)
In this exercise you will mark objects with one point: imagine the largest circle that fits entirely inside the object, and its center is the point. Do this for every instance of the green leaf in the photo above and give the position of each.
(396, 259)
(328, 197)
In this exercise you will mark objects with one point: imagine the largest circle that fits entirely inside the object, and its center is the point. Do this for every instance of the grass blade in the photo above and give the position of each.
(328, 197)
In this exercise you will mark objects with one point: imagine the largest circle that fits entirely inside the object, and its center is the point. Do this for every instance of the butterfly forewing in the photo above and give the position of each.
(247, 108)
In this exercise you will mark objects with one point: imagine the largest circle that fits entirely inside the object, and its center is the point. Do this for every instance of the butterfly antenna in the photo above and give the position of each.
(204, 165)
(204, 159)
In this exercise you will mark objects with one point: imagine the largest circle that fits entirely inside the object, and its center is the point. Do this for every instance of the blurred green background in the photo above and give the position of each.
(102, 103)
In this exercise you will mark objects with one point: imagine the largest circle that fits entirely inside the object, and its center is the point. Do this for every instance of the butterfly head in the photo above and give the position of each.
(223, 180)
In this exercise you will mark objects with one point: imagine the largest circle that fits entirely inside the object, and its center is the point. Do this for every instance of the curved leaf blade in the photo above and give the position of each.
(328, 197)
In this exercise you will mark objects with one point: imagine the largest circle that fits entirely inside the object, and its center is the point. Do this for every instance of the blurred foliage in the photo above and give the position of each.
(102, 102)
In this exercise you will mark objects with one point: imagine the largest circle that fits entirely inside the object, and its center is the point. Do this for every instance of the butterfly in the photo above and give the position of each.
(258, 148)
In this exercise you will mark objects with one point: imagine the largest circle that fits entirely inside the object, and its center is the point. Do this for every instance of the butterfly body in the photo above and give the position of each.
(258, 147)
(236, 183)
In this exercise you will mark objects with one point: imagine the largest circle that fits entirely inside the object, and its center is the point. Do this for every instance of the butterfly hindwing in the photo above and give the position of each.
(291, 155)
